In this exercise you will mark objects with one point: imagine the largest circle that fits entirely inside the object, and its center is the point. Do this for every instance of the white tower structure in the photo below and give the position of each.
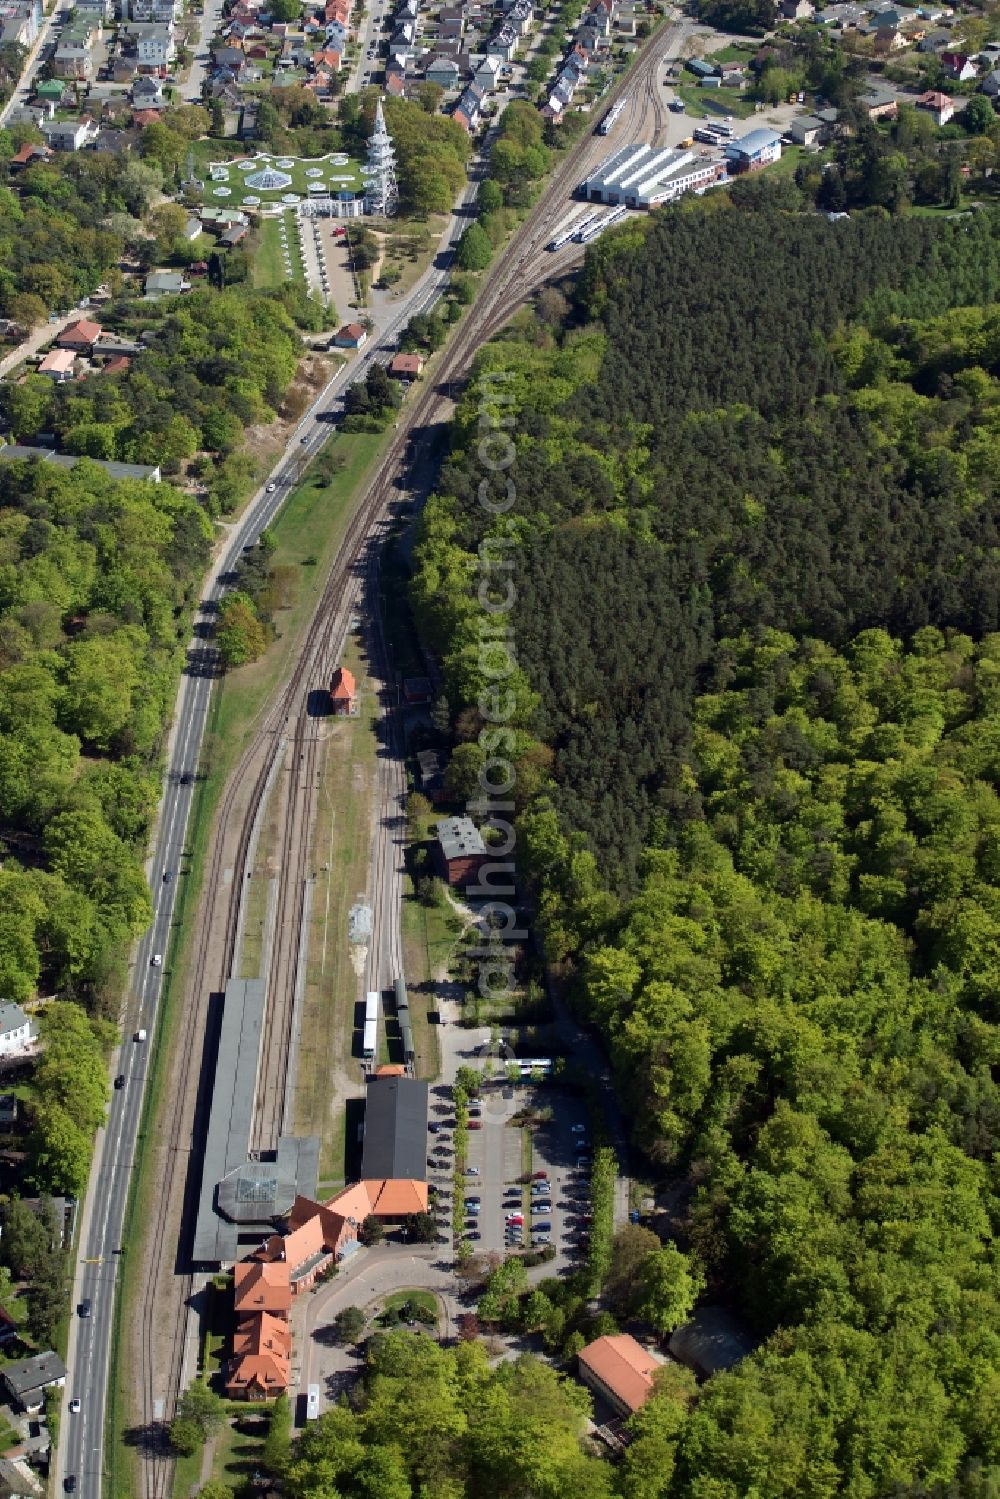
(381, 192)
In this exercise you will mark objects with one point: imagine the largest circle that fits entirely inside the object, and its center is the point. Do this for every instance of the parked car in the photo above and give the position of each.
(475, 1124)
(434, 1129)
(541, 1207)
(473, 1198)
(472, 1171)
(541, 1228)
(578, 1129)
(473, 1233)
(539, 1176)
(514, 1218)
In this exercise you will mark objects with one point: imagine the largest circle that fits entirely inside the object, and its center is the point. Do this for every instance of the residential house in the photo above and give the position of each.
(939, 105)
(147, 93)
(73, 59)
(443, 71)
(880, 103)
(488, 73)
(343, 693)
(231, 237)
(27, 1380)
(887, 41)
(428, 763)
(82, 335)
(9, 1110)
(233, 59)
(468, 109)
(351, 336)
(17, 1481)
(796, 10)
(248, 128)
(158, 12)
(732, 74)
(958, 65)
(805, 130)
(69, 135)
(154, 44)
(28, 154)
(933, 41)
(329, 58)
(143, 117)
(459, 850)
(20, 21)
(521, 17)
(17, 1033)
(166, 283)
(620, 1371)
(990, 85)
(53, 89)
(59, 365)
(504, 43)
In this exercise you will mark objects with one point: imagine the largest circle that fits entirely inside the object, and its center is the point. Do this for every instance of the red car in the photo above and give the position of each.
(475, 1124)
(539, 1176)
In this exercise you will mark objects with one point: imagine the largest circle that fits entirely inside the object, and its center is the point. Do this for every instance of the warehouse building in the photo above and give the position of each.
(640, 176)
(751, 152)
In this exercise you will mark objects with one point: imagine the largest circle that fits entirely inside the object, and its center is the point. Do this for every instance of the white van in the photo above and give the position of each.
(140, 1035)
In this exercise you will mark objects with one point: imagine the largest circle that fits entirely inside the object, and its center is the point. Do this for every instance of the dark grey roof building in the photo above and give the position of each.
(17, 452)
(711, 1341)
(395, 1130)
(240, 1199)
(26, 1379)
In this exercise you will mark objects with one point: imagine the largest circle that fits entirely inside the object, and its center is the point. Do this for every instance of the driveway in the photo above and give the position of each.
(363, 1280)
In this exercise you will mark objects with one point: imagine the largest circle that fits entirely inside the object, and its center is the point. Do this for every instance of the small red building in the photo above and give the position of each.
(343, 693)
(460, 851)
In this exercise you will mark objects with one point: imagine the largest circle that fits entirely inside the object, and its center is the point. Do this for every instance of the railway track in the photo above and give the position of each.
(526, 266)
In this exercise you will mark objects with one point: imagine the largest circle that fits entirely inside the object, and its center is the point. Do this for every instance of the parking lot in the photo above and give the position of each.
(557, 1196)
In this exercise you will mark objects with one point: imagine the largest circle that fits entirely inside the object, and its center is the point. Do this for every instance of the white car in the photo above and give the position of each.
(271, 487)
(74, 1407)
(578, 1129)
(157, 960)
(472, 1171)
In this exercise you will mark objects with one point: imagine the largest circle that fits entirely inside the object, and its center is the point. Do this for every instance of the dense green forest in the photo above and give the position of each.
(96, 580)
(755, 735)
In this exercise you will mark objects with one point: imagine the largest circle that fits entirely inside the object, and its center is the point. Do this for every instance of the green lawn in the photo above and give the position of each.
(337, 178)
(707, 102)
(424, 1299)
(268, 261)
(732, 53)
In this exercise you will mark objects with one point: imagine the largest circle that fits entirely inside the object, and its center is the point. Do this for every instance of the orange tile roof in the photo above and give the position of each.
(304, 1242)
(623, 1366)
(261, 1287)
(262, 1333)
(394, 1197)
(390, 1069)
(354, 1202)
(82, 331)
(342, 688)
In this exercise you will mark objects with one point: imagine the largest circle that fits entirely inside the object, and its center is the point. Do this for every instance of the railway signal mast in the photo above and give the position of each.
(381, 191)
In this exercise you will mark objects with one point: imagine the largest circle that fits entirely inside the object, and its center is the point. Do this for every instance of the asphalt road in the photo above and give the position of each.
(81, 1451)
(25, 83)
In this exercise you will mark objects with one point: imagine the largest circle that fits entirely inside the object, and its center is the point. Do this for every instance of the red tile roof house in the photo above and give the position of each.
(351, 336)
(620, 1370)
(939, 105)
(406, 366)
(81, 336)
(343, 693)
